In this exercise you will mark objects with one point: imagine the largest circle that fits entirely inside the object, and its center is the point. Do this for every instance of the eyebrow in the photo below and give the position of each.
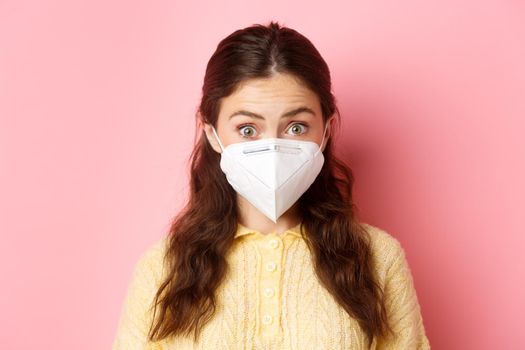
(291, 113)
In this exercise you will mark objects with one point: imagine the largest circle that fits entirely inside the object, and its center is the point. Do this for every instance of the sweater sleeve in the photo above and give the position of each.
(403, 307)
(136, 316)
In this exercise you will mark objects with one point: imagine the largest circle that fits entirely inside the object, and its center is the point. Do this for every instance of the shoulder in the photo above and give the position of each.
(381, 240)
(400, 296)
(151, 261)
(156, 249)
(385, 248)
(137, 312)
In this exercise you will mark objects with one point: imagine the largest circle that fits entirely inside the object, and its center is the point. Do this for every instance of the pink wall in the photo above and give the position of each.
(96, 123)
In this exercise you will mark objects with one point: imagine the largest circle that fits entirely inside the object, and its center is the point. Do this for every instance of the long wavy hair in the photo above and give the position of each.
(203, 231)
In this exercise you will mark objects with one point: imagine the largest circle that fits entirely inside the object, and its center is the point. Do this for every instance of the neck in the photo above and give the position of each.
(251, 217)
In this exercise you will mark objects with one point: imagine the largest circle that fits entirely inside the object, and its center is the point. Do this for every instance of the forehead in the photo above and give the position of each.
(275, 90)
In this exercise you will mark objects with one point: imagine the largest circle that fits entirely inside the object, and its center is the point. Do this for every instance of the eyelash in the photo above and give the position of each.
(240, 127)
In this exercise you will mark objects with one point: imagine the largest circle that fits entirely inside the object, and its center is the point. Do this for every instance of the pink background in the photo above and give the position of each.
(97, 102)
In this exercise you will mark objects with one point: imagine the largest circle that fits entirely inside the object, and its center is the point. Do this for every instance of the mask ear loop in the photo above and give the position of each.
(217, 137)
(324, 134)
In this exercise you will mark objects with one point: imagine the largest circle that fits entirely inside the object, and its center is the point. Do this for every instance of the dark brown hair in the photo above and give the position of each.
(203, 231)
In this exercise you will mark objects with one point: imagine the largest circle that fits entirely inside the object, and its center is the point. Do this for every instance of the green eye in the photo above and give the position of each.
(297, 129)
(247, 130)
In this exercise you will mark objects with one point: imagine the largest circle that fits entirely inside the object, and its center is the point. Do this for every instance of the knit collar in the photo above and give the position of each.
(243, 230)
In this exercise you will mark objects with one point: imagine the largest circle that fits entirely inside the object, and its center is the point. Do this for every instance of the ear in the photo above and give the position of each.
(211, 137)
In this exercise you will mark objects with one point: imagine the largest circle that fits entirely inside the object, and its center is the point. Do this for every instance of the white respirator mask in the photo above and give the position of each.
(272, 173)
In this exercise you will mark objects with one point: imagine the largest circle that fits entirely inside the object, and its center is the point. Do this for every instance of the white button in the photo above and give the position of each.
(269, 292)
(273, 243)
(267, 319)
(270, 266)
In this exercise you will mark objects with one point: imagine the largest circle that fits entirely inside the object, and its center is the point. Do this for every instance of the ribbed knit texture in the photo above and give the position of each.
(271, 299)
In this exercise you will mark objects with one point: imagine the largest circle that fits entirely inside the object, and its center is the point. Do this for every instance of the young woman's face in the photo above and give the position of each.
(278, 107)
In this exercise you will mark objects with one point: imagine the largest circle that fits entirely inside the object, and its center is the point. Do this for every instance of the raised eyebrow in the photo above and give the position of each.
(297, 111)
(285, 115)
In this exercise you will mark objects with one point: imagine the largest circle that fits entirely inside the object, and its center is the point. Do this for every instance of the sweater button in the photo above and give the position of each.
(268, 292)
(273, 243)
(267, 319)
(270, 266)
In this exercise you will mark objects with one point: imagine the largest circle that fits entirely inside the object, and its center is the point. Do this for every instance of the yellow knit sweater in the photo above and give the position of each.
(271, 299)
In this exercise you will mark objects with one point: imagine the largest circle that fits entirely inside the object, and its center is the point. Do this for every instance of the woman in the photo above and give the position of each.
(268, 252)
